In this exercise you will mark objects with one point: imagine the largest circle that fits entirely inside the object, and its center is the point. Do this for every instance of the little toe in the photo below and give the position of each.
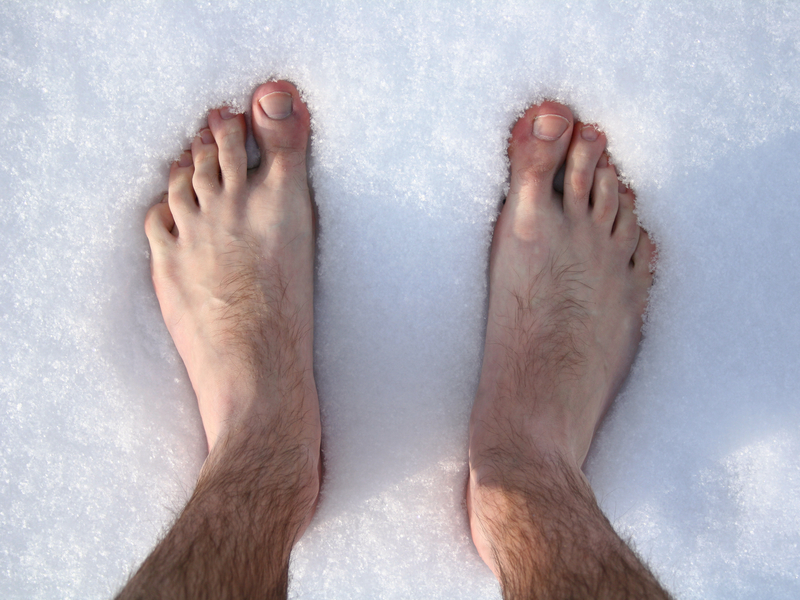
(181, 192)
(644, 256)
(605, 194)
(159, 225)
(205, 179)
(280, 126)
(626, 226)
(539, 143)
(230, 134)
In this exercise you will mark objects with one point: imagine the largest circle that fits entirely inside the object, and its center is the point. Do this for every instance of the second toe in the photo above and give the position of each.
(585, 151)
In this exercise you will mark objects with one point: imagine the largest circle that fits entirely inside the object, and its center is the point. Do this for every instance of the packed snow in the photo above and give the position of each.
(698, 463)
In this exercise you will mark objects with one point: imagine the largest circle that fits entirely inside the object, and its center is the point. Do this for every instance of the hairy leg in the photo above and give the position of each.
(569, 279)
(232, 265)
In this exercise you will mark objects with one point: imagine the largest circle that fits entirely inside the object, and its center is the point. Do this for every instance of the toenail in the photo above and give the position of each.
(603, 162)
(589, 133)
(185, 160)
(623, 189)
(549, 127)
(226, 113)
(165, 197)
(277, 105)
(207, 136)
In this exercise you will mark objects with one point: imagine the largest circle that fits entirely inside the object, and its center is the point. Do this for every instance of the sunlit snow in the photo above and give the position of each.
(698, 463)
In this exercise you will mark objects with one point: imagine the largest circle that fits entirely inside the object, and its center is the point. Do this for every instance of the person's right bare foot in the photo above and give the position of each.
(569, 280)
(232, 263)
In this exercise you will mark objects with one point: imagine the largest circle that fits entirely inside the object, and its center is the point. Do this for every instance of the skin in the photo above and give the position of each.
(232, 266)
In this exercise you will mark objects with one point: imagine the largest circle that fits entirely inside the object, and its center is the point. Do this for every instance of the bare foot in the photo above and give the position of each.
(232, 264)
(569, 280)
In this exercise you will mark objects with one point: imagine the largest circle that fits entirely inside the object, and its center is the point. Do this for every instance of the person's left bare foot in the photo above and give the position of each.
(569, 280)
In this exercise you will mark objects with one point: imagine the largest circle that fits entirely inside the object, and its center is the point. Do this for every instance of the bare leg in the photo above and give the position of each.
(569, 278)
(232, 262)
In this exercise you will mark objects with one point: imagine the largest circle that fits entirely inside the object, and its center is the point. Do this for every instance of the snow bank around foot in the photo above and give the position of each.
(100, 440)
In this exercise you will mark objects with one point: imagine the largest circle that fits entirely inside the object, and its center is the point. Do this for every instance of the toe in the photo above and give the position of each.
(280, 126)
(181, 193)
(586, 149)
(644, 256)
(604, 194)
(539, 143)
(159, 225)
(205, 179)
(230, 134)
(626, 227)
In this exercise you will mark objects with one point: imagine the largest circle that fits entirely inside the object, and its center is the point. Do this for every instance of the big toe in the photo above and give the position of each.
(538, 148)
(280, 126)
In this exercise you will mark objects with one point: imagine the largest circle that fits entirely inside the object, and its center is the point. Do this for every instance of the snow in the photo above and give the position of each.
(412, 102)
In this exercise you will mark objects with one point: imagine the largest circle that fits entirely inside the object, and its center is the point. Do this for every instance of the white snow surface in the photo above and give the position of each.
(698, 463)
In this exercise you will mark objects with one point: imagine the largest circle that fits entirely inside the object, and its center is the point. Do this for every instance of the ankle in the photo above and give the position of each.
(277, 458)
(511, 421)
(505, 433)
(517, 503)
(256, 405)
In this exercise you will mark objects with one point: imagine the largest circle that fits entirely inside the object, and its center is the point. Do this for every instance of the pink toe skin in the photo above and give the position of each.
(230, 135)
(159, 224)
(181, 193)
(605, 198)
(585, 151)
(282, 138)
(539, 142)
(626, 227)
(205, 179)
(645, 256)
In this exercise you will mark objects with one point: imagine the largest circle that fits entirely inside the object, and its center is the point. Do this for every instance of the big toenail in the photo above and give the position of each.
(589, 133)
(277, 105)
(185, 159)
(549, 127)
(207, 136)
(226, 113)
